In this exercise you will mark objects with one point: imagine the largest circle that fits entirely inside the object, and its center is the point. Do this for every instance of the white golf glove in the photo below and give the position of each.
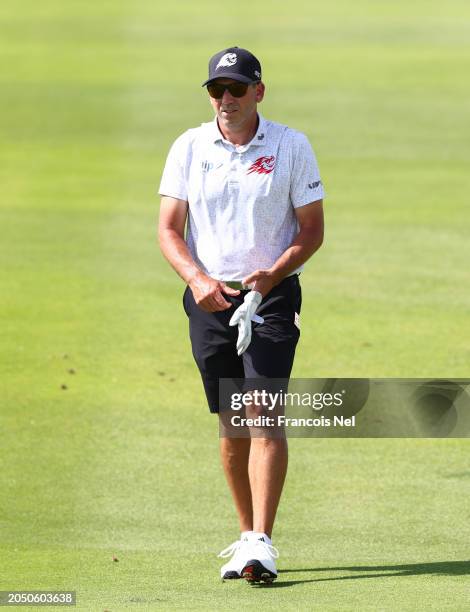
(243, 316)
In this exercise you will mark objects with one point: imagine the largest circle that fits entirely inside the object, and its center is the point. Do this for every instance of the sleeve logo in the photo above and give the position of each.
(263, 165)
(314, 185)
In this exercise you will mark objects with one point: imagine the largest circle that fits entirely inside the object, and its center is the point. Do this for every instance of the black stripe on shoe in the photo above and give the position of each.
(231, 576)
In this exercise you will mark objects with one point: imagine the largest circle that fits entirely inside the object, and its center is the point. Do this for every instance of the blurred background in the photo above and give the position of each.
(106, 439)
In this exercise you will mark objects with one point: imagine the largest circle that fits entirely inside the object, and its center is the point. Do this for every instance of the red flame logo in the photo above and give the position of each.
(263, 165)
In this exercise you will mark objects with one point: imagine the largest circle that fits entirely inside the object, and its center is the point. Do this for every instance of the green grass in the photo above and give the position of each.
(124, 461)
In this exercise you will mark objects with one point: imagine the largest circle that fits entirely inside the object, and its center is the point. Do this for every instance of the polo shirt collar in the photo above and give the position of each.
(258, 139)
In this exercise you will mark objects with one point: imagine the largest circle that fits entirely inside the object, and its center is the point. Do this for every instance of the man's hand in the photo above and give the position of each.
(243, 316)
(262, 281)
(207, 293)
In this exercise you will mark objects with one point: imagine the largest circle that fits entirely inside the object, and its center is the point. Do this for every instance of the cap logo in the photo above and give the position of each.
(257, 74)
(229, 59)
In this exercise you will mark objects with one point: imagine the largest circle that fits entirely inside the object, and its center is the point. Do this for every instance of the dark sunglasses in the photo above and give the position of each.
(237, 90)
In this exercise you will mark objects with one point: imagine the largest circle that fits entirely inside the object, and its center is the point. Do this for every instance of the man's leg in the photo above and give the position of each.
(269, 359)
(235, 454)
(213, 344)
(267, 471)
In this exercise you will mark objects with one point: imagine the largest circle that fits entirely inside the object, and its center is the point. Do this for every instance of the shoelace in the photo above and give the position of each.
(234, 546)
(272, 550)
(230, 550)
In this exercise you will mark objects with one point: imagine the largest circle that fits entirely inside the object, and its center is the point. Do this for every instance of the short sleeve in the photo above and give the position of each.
(306, 185)
(173, 181)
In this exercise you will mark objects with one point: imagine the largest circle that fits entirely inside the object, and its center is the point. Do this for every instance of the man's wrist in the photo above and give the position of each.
(195, 276)
(276, 276)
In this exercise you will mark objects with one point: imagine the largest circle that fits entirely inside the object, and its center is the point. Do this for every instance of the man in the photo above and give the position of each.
(250, 192)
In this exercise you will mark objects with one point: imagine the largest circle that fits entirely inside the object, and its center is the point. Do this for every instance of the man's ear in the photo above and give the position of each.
(260, 88)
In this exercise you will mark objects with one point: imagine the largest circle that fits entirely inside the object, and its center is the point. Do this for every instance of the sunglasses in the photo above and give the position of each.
(237, 90)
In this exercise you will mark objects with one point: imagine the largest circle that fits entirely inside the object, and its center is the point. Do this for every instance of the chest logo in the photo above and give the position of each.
(263, 165)
(206, 166)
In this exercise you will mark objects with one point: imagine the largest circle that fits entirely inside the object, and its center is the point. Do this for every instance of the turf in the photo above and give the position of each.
(123, 461)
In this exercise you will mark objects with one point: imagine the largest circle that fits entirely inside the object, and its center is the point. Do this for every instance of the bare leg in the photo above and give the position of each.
(267, 472)
(235, 453)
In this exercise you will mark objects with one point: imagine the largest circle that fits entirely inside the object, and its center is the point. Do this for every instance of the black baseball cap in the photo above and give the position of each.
(234, 63)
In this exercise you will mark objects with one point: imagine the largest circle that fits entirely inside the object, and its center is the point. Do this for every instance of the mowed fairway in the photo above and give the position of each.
(107, 448)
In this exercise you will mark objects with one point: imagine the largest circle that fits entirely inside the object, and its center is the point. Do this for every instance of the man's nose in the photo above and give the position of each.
(227, 97)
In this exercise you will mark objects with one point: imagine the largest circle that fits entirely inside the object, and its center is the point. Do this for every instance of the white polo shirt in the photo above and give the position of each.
(241, 198)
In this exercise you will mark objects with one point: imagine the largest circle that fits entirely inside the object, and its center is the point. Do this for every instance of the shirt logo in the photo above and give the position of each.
(263, 165)
(314, 185)
(206, 166)
(229, 59)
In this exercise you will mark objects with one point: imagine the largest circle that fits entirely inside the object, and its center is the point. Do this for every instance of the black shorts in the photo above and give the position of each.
(272, 348)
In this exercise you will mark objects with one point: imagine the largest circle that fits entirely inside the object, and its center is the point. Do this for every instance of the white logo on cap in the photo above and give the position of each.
(229, 59)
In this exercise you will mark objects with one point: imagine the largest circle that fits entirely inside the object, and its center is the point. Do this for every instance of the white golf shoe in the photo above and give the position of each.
(233, 568)
(259, 565)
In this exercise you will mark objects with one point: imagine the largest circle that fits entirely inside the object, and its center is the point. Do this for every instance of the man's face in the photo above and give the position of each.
(232, 112)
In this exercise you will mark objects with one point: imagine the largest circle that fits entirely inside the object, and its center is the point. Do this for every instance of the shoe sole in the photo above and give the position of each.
(254, 571)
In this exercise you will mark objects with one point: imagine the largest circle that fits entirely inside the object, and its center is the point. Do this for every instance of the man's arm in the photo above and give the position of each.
(207, 291)
(308, 240)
